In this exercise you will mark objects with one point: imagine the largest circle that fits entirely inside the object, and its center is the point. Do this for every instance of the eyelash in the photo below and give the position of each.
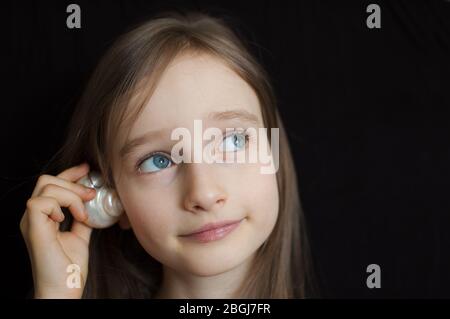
(246, 134)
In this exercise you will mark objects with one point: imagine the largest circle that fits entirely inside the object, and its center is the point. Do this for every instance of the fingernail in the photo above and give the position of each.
(90, 190)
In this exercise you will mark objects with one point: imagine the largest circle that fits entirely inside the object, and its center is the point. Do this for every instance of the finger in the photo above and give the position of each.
(66, 198)
(74, 173)
(81, 230)
(86, 193)
(43, 219)
(39, 209)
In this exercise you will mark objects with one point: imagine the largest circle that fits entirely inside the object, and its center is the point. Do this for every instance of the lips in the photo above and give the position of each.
(213, 231)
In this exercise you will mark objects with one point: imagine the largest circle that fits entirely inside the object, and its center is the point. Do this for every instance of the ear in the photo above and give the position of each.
(124, 222)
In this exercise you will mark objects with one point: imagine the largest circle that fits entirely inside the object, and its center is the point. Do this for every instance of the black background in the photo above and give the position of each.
(367, 112)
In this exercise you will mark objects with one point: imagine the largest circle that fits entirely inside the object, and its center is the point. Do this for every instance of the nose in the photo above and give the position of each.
(203, 190)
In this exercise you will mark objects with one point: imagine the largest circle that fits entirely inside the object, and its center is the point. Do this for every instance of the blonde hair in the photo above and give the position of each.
(118, 265)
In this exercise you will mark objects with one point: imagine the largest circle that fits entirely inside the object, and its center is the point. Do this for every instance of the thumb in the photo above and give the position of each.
(81, 230)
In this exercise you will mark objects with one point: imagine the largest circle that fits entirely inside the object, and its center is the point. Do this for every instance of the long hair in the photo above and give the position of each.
(118, 265)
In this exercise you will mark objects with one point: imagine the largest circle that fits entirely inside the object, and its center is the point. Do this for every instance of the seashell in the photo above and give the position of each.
(105, 208)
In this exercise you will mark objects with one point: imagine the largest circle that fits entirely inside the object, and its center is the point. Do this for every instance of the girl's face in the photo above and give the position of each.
(165, 201)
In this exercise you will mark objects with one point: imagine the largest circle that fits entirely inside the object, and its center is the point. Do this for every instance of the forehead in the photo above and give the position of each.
(190, 87)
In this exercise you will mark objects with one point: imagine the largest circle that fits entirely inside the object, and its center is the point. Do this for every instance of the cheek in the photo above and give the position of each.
(150, 215)
(261, 199)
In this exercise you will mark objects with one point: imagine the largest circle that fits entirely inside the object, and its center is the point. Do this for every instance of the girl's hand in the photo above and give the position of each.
(55, 255)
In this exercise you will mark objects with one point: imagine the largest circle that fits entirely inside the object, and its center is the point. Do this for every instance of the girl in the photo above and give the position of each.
(163, 75)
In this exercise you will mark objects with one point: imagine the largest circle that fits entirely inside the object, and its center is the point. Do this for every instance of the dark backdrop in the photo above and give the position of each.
(367, 111)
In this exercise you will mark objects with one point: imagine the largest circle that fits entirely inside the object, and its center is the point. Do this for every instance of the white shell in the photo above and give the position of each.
(105, 208)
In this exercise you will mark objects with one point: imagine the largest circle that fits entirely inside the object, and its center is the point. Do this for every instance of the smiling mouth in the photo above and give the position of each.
(213, 231)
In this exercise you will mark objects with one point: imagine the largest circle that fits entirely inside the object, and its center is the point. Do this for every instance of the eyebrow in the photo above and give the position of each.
(238, 114)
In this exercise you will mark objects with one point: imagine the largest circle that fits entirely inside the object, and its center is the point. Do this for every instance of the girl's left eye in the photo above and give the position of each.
(155, 163)
(233, 142)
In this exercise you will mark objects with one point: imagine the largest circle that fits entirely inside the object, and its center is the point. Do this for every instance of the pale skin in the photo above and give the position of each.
(164, 204)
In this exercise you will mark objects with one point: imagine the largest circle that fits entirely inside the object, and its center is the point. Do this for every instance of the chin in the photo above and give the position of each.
(214, 260)
(208, 268)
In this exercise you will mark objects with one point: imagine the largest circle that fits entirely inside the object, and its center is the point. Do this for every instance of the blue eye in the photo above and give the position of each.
(233, 142)
(155, 163)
